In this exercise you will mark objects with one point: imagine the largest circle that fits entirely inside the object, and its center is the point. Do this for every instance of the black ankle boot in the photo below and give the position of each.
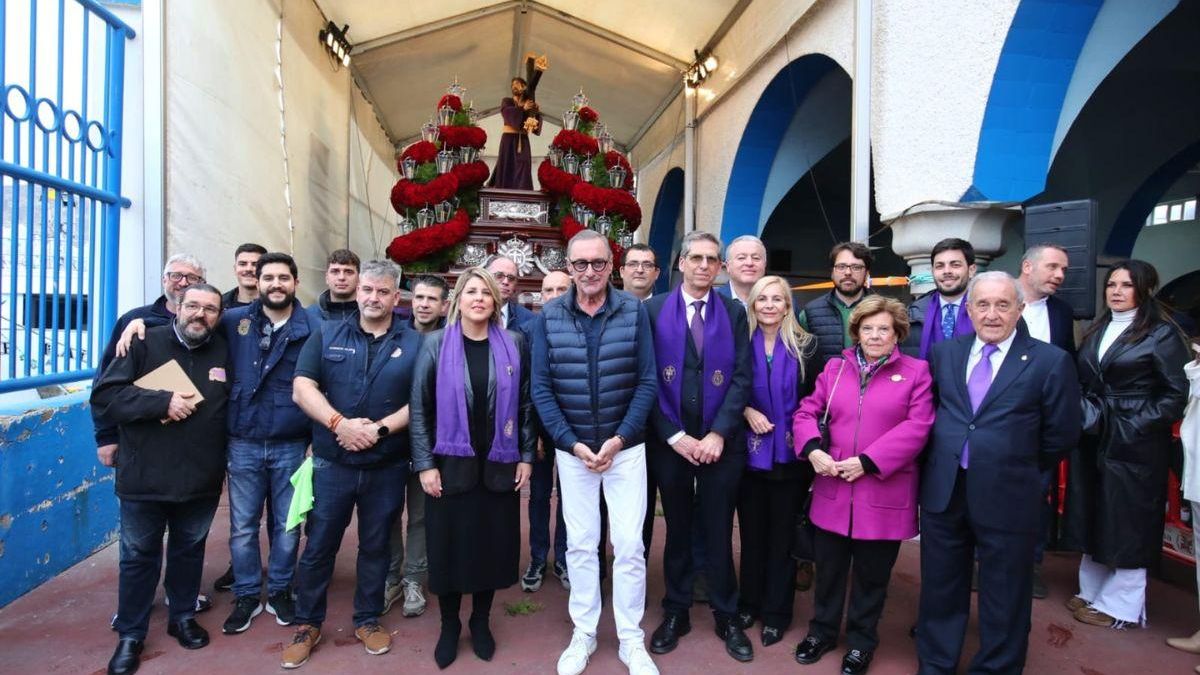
(447, 644)
(481, 638)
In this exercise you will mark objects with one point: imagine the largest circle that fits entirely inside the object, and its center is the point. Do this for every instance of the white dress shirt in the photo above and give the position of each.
(997, 357)
(1037, 318)
(504, 315)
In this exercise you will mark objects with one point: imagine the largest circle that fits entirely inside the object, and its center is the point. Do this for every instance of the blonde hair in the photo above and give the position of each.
(798, 342)
(878, 304)
(488, 280)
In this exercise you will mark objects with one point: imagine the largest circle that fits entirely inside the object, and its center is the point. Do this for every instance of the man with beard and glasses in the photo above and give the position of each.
(245, 270)
(354, 380)
(169, 469)
(828, 316)
(941, 314)
(408, 570)
(639, 271)
(337, 301)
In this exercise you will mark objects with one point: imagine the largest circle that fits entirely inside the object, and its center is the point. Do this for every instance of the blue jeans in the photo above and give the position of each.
(258, 470)
(337, 490)
(541, 485)
(142, 526)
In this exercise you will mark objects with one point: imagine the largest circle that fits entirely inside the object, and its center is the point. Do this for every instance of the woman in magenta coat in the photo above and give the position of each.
(880, 410)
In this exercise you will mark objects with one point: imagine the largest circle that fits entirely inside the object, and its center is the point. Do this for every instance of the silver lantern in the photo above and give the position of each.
(579, 100)
(555, 156)
(430, 132)
(409, 166)
(582, 214)
(570, 120)
(424, 217)
(605, 141)
(456, 89)
(585, 169)
(446, 160)
(616, 176)
(442, 211)
(466, 154)
(571, 162)
(625, 238)
(404, 224)
(603, 225)
(445, 115)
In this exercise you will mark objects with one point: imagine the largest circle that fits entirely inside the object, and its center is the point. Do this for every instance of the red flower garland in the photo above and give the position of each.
(587, 114)
(555, 181)
(576, 142)
(609, 200)
(412, 195)
(613, 158)
(471, 175)
(571, 227)
(422, 151)
(459, 137)
(451, 100)
(427, 241)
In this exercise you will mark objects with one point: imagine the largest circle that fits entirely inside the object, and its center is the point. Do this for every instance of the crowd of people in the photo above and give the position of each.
(832, 431)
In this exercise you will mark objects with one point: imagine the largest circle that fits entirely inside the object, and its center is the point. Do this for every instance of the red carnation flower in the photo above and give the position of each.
(555, 181)
(427, 241)
(421, 151)
(587, 114)
(451, 100)
(408, 194)
(471, 175)
(460, 137)
(575, 142)
(613, 158)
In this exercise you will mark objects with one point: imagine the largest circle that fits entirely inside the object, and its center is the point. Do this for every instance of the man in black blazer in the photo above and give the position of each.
(697, 450)
(1049, 319)
(1008, 408)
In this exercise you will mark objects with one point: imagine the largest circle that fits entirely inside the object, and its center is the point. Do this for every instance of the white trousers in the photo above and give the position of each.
(624, 485)
(1119, 593)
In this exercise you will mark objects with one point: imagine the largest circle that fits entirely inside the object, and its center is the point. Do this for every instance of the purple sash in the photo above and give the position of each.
(671, 336)
(453, 424)
(774, 395)
(932, 333)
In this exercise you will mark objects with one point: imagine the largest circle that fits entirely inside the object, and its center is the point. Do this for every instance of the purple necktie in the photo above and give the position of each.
(697, 327)
(977, 385)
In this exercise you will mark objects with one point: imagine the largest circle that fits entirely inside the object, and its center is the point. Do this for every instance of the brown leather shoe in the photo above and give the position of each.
(1094, 617)
(304, 640)
(1076, 603)
(374, 638)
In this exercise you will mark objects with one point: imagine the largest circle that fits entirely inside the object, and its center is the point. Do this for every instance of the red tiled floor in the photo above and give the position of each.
(62, 627)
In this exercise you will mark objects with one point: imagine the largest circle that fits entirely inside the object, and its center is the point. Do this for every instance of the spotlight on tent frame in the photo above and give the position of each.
(333, 39)
(701, 68)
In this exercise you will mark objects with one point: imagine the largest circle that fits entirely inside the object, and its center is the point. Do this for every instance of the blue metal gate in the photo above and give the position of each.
(62, 66)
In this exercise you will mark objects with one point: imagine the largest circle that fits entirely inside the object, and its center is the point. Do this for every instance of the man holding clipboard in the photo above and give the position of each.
(168, 398)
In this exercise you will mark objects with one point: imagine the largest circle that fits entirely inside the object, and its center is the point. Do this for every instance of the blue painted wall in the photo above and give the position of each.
(664, 226)
(57, 504)
(761, 140)
(1032, 76)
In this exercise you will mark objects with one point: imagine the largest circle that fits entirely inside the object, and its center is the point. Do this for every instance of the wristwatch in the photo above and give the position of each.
(383, 431)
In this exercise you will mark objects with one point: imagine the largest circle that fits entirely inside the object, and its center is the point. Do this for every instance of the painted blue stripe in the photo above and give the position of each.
(760, 142)
(1028, 90)
(667, 206)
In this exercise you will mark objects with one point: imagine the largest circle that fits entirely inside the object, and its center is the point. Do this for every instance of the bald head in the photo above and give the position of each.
(555, 284)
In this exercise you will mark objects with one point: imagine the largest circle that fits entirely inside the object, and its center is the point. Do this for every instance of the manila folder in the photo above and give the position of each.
(170, 377)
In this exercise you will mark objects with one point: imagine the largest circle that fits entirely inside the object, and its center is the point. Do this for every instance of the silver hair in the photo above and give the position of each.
(685, 246)
(746, 237)
(185, 259)
(488, 265)
(584, 235)
(995, 276)
(1033, 253)
(380, 269)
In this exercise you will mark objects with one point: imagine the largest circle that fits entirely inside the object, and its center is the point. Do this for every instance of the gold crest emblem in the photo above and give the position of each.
(755, 442)
(718, 378)
(669, 374)
(244, 326)
(508, 428)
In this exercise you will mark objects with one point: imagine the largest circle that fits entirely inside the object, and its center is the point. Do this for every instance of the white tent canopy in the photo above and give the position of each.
(627, 55)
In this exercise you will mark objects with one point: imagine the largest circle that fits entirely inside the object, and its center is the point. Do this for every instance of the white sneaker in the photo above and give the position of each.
(414, 598)
(634, 656)
(575, 657)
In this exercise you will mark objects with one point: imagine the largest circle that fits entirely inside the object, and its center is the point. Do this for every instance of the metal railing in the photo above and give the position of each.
(62, 81)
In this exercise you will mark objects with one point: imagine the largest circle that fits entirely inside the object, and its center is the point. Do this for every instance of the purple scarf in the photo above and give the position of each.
(774, 395)
(671, 336)
(453, 424)
(932, 333)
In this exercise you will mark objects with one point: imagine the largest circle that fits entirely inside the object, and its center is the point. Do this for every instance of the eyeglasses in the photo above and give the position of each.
(698, 259)
(268, 330)
(195, 307)
(597, 265)
(504, 276)
(844, 267)
(641, 265)
(177, 277)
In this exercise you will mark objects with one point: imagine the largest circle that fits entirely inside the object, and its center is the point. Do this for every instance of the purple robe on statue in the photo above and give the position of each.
(514, 164)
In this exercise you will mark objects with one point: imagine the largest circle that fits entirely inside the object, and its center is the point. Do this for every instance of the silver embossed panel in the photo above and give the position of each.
(531, 212)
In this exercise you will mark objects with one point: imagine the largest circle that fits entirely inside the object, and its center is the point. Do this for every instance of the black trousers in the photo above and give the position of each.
(950, 541)
(708, 494)
(142, 526)
(767, 522)
(871, 563)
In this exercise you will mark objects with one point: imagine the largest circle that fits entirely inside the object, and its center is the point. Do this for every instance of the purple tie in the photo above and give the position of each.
(977, 385)
(697, 327)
